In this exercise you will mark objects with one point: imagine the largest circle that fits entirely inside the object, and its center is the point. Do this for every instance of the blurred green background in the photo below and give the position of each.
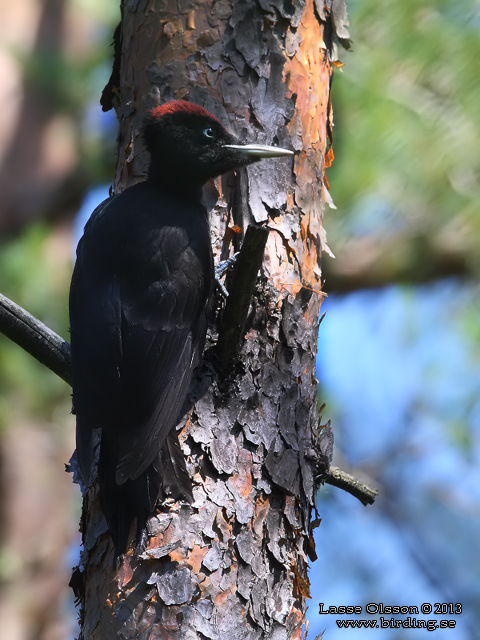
(399, 357)
(406, 179)
(55, 143)
(406, 183)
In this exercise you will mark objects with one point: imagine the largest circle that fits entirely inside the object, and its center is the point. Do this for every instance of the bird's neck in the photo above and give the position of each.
(174, 182)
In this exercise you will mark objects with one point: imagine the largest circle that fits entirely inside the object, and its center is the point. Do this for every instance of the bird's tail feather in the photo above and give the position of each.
(167, 476)
(176, 482)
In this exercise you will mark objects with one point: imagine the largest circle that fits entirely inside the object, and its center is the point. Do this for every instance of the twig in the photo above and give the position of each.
(35, 338)
(244, 280)
(347, 482)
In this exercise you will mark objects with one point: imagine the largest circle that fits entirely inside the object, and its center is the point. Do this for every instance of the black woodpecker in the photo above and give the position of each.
(139, 301)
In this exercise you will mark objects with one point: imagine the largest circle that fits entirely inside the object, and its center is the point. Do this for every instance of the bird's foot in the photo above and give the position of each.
(221, 268)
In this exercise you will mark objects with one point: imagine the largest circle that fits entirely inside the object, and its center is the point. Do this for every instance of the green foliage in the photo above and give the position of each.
(34, 272)
(105, 12)
(35, 267)
(407, 118)
(62, 83)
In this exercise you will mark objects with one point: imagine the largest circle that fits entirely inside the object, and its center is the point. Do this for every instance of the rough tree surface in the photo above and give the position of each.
(234, 564)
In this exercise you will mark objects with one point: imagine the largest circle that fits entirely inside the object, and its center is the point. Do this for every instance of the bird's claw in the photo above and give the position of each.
(221, 268)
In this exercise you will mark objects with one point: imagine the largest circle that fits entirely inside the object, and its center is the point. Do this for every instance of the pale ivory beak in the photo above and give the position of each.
(259, 150)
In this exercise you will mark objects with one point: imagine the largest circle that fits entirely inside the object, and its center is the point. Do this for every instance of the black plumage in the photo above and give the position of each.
(139, 302)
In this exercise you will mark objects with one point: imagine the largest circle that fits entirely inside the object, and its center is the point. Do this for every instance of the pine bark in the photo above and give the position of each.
(234, 564)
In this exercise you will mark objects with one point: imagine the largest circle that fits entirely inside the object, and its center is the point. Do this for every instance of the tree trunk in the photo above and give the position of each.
(234, 564)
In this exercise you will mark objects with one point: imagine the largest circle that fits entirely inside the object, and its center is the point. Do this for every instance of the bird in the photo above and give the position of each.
(139, 309)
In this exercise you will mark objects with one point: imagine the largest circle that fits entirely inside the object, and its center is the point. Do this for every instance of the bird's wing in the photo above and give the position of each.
(137, 334)
(162, 340)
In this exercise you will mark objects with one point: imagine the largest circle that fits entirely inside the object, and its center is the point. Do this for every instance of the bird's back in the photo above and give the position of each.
(138, 314)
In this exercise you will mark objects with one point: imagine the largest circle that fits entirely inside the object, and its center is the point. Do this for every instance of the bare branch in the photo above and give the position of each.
(347, 482)
(35, 338)
(377, 261)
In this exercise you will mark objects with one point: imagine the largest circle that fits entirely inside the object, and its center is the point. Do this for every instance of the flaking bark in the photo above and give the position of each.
(233, 565)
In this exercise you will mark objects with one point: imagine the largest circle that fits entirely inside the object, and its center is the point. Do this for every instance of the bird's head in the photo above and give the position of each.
(188, 145)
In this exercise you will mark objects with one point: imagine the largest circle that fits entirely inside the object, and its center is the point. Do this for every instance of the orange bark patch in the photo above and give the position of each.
(221, 599)
(194, 560)
(294, 620)
(125, 573)
(329, 158)
(223, 525)
(261, 510)
(177, 556)
(306, 75)
(242, 480)
(301, 581)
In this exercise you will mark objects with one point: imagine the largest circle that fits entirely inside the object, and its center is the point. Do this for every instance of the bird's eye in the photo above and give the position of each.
(209, 133)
